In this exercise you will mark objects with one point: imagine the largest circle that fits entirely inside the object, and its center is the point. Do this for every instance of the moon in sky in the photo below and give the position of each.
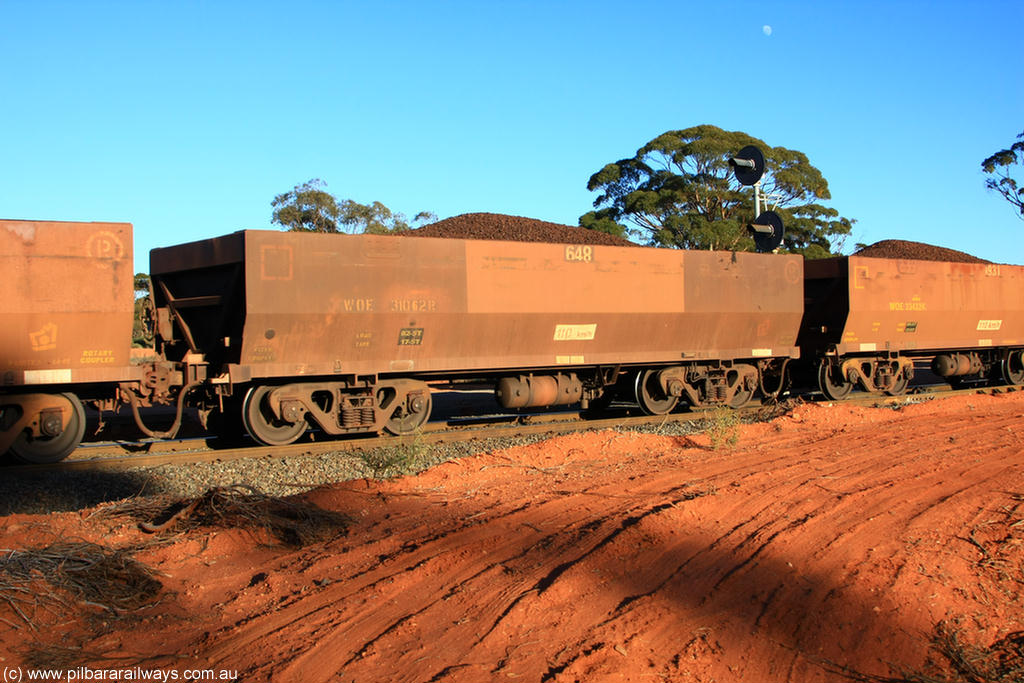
(767, 29)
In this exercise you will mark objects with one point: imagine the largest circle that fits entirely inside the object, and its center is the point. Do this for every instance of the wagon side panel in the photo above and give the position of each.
(905, 305)
(67, 295)
(329, 304)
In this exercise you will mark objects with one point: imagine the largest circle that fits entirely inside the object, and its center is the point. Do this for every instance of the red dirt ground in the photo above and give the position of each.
(834, 536)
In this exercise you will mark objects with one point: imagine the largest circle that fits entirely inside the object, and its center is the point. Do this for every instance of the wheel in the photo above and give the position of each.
(832, 383)
(410, 414)
(1012, 368)
(899, 385)
(741, 398)
(650, 396)
(43, 450)
(261, 423)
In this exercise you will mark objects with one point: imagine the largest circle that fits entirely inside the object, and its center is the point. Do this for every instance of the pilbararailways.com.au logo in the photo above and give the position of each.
(136, 674)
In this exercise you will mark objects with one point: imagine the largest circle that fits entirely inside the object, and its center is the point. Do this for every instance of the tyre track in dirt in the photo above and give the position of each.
(832, 537)
(527, 572)
(513, 566)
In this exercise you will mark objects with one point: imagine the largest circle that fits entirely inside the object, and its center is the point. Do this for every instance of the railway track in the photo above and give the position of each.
(119, 456)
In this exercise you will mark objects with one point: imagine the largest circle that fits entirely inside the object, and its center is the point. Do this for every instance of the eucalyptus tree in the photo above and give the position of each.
(679, 191)
(311, 208)
(999, 167)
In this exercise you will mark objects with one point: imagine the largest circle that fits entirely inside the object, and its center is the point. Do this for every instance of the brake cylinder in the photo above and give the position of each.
(535, 391)
(956, 364)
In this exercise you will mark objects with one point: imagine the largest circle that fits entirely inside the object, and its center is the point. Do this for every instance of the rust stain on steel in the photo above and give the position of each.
(67, 301)
(328, 304)
(532, 278)
(899, 304)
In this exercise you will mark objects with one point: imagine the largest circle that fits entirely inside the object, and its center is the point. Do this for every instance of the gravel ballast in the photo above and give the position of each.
(72, 490)
(61, 491)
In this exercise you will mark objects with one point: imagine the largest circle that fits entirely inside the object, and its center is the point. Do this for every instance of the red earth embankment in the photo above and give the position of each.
(832, 537)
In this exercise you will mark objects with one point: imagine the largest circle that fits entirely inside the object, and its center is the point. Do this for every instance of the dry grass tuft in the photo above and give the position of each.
(1000, 662)
(773, 408)
(64, 576)
(292, 523)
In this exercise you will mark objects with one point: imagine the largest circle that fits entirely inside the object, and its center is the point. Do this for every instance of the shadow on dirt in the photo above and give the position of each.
(588, 582)
(40, 492)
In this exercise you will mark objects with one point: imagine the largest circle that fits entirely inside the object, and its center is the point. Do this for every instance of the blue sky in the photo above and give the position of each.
(187, 118)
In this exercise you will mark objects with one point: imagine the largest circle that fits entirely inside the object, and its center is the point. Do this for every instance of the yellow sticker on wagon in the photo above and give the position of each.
(990, 325)
(97, 356)
(575, 332)
(410, 336)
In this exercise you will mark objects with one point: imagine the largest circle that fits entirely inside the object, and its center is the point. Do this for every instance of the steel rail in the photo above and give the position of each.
(167, 453)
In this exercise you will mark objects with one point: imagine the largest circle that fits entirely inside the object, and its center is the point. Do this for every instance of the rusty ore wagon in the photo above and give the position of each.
(65, 329)
(868, 319)
(347, 333)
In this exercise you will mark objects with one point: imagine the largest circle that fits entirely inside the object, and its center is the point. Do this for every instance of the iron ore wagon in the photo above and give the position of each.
(348, 333)
(65, 329)
(869, 319)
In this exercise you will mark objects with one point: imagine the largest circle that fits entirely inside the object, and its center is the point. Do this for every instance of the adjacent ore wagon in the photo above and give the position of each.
(65, 329)
(867, 319)
(288, 330)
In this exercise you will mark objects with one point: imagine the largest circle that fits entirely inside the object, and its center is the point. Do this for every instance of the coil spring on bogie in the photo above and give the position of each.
(354, 417)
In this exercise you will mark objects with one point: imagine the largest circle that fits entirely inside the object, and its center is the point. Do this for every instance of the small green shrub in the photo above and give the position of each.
(394, 461)
(724, 428)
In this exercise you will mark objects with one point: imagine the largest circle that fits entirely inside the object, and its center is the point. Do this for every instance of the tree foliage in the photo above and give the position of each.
(307, 208)
(310, 208)
(679, 191)
(378, 219)
(999, 167)
(142, 324)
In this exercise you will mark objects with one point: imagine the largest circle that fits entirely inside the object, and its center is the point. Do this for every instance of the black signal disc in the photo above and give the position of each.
(745, 174)
(767, 241)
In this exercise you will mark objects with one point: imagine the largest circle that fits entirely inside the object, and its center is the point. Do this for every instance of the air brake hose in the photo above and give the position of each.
(170, 433)
(782, 381)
